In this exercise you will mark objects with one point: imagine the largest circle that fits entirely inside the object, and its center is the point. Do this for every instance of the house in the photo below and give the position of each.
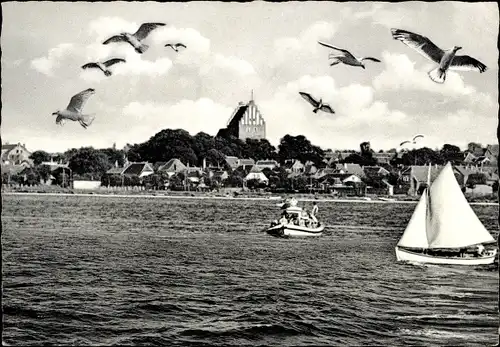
(294, 165)
(140, 169)
(375, 171)
(384, 157)
(235, 162)
(469, 158)
(462, 173)
(339, 179)
(491, 153)
(219, 175)
(193, 171)
(323, 172)
(171, 167)
(310, 168)
(353, 169)
(15, 154)
(414, 178)
(256, 174)
(270, 164)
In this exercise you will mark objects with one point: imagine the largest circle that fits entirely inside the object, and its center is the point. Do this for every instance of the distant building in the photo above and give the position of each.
(246, 122)
(15, 154)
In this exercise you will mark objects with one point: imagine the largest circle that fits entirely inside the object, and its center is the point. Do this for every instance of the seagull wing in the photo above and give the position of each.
(114, 61)
(466, 63)
(327, 108)
(90, 65)
(419, 43)
(78, 101)
(345, 51)
(309, 99)
(416, 137)
(370, 58)
(180, 45)
(404, 142)
(145, 29)
(116, 38)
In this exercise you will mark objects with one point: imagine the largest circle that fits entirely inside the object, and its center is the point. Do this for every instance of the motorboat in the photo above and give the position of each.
(295, 222)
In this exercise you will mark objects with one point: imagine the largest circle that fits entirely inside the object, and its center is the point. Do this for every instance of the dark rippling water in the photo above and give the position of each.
(150, 271)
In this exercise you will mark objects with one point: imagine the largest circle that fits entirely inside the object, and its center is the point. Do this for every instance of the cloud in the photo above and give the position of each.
(192, 115)
(305, 43)
(53, 59)
(235, 64)
(400, 73)
(356, 110)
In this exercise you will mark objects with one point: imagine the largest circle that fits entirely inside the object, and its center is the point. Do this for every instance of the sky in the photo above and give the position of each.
(234, 48)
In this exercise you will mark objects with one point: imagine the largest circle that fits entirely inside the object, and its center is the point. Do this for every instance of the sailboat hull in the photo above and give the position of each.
(407, 255)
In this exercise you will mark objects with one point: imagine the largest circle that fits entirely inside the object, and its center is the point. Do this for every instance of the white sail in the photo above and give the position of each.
(414, 234)
(451, 222)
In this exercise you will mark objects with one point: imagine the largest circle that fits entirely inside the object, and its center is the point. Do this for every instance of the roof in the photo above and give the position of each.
(354, 169)
(246, 162)
(384, 157)
(136, 168)
(493, 149)
(266, 162)
(232, 161)
(8, 147)
(374, 170)
(172, 165)
(420, 172)
(115, 170)
(255, 169)
(158, 165)
(290, 163)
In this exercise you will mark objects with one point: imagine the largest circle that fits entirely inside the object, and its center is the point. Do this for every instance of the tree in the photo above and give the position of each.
(474, 146)
(215, 157)
(88, 160)
(260, 149)
(114, 156)
(451, 153)
(422, 156)
(299, 147)
(39, 156)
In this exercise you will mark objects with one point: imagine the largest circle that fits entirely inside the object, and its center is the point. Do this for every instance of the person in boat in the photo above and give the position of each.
(480, 250)
(283, 220)
(314, 211)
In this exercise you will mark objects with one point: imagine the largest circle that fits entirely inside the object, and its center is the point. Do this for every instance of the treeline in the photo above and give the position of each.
(90, 163)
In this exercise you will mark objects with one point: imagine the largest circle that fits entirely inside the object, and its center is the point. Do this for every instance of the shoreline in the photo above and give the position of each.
(268, 198)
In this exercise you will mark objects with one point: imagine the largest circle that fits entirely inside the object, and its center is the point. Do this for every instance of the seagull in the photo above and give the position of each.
(318, 105)
(175, 46)
(413, 141)
(104, 65)
(74, 109)
(136, 38)
(346, 57)
(447, 59)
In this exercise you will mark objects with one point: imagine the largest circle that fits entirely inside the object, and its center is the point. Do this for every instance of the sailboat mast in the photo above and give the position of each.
(429, 175)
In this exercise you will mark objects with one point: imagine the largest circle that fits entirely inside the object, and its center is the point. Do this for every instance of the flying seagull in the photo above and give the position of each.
(346, 57)
(318, 105)
(175, 46)
(447, 59)
(136, 38)
(74, 109)
(104, 65)
(413, 141)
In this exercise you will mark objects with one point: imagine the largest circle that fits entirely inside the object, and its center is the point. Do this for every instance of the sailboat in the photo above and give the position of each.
(444, 229)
